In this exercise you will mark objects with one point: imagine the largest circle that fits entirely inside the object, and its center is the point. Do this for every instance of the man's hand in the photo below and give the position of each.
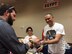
(20, 40)
(40, 48)
(30, 44)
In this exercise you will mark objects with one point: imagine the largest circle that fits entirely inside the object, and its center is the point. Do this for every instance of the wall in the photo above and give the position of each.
(31, 13)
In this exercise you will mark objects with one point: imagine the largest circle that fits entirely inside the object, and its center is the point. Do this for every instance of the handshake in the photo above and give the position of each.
(34, 43)
(37, 43)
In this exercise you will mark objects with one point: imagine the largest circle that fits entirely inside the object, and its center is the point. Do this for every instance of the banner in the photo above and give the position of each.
(51, 3)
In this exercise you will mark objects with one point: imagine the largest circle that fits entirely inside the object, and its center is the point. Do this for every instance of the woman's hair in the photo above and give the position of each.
(29, 29)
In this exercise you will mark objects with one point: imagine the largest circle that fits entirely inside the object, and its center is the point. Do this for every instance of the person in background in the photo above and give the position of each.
(8, 39)
(31, 37)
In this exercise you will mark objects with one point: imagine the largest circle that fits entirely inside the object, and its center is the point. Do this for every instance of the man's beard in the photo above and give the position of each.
(9, 20)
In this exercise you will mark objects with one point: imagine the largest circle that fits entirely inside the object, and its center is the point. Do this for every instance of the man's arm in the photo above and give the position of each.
(9, 40)
(56, 40)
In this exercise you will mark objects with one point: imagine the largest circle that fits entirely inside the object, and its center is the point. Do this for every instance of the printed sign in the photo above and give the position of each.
(51, 3)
